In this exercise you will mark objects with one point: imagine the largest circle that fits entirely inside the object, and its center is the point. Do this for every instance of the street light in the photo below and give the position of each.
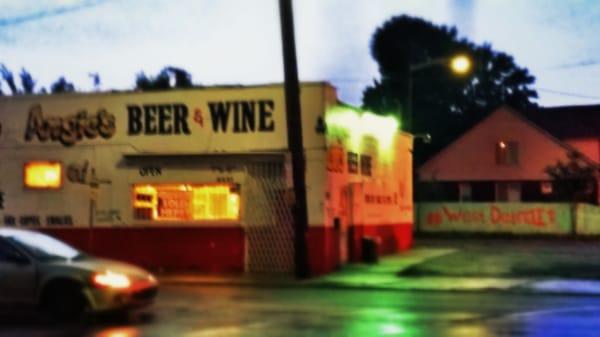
(459, 64)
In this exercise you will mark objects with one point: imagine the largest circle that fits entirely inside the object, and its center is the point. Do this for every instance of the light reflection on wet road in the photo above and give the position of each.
(224, 312)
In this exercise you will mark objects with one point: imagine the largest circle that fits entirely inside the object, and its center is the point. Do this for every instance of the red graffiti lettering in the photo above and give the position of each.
(434, 218)
(533, 217)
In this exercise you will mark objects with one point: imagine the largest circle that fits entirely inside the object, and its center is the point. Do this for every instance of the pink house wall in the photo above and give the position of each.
(588, 146)
(472, 157)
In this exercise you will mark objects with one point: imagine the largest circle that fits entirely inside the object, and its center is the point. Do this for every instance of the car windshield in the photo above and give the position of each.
(43, 247)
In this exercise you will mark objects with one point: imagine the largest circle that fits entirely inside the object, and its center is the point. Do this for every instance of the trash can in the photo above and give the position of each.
(369, 249)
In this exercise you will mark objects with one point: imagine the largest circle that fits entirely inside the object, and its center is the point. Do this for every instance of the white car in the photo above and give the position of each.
(38, 271)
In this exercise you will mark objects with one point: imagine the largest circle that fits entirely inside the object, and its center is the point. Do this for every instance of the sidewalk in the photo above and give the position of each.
(385, 276)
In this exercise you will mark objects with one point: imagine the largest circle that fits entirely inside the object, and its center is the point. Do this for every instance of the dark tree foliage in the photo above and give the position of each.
(167, 78)
(575, 180)
(8, 77)
(62, 86)
(27, 82)
(443, 104)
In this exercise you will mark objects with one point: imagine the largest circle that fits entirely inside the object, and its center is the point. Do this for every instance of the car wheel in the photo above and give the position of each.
(64, 303)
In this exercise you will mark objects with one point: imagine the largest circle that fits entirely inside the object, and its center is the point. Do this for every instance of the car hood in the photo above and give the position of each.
(93, 264)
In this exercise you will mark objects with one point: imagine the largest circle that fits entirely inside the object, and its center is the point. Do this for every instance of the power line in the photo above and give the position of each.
(564, 93)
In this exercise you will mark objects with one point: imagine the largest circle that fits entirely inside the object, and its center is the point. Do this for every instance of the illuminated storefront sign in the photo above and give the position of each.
(165, 202)
(43, 175)
(357, 126)
(69, 130)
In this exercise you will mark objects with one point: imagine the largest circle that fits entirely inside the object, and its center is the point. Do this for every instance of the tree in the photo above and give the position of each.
(62, 86)
(27, 82)
(443, 104)
(168, 78)
(575, 180)
(8, 77)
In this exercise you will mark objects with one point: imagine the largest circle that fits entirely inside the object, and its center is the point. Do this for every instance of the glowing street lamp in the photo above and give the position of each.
(459, 64)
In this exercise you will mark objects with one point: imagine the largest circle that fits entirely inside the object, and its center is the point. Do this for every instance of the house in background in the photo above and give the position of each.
(504, 157)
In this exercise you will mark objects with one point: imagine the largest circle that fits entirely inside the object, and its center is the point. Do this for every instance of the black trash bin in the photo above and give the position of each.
(369, 249)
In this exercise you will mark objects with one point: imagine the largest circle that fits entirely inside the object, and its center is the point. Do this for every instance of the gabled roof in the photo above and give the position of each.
(528, 121)
(564, 122)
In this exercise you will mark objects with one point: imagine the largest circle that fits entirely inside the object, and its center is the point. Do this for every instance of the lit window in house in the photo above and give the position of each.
(507, 153)
(546, 187)
(42, 175)
(172, 202)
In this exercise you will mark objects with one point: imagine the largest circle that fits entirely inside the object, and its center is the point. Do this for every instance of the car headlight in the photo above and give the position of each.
(111, 279)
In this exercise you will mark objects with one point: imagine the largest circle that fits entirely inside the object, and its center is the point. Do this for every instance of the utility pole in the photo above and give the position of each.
(295, 142)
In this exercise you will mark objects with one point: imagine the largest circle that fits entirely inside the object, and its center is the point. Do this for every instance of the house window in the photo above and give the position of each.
(352, 162)
(464, 192)
(168, 202)
(508, 191)
(507, 153)
(365, 165)
(42, 175)
(546, 187)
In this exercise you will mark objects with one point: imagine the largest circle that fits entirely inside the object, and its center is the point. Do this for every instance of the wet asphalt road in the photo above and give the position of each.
(224, 311)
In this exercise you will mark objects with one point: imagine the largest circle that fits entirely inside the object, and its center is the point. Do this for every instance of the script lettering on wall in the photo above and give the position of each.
(69, 130)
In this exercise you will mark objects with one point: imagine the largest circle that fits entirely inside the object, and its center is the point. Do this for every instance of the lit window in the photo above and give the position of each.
(166, 202)
(546, 187)
(43, 175)
(507, 153)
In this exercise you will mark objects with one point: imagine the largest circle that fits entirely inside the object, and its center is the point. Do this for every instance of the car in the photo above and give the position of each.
(40, 272)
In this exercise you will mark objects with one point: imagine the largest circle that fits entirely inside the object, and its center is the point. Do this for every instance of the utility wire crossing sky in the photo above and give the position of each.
(238, 42)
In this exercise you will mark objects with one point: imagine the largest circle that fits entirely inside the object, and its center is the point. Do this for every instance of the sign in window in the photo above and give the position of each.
(168, 202)
(42, 175)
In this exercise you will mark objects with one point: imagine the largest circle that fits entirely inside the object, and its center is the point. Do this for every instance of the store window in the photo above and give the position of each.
(191, 202)
(352, 162)
(42, 175)
(365, 165)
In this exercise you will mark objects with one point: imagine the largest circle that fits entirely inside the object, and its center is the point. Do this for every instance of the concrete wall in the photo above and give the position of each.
(517, 218)
(514, 218)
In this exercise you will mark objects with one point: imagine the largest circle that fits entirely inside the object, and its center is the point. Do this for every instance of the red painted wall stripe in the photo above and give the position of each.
(323, 243)
(207, 249)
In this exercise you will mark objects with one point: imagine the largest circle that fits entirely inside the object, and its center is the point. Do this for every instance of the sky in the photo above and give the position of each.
(238, 41)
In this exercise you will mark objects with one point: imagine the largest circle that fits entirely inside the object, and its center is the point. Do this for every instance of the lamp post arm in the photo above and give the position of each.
(423, 65)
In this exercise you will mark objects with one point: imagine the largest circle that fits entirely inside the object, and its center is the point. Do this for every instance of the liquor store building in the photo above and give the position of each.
(200, 179)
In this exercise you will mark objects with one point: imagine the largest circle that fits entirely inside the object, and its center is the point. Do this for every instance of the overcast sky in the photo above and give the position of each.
(238, 41)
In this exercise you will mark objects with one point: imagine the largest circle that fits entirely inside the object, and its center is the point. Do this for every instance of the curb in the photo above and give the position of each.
(524, 289)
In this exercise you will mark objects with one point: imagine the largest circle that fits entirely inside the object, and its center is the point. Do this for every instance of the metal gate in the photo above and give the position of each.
(269, 220)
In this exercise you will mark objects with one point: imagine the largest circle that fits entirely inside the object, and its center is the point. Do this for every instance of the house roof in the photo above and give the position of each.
(576, 121)
(520, 116)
